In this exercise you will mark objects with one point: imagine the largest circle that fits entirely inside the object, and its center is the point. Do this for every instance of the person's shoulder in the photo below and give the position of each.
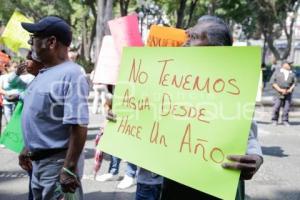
(72, 70)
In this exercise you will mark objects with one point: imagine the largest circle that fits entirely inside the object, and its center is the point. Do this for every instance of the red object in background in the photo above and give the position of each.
(125, 31)
(98, 157)
(4, 58)
(1, 100)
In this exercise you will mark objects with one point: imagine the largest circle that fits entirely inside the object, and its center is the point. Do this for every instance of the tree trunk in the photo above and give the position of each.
(108, 15)
(267, 25)
(211, 8)
(124, 7)
(289, 34)
(104, 14)
(92, 38)
(99, 26)
(85, 43)
(191, 12)
(273, 49)
(180, 14)
(264, 50)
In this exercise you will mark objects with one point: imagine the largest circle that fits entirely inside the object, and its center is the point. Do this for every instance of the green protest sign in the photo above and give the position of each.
(181, 111)
(12, 136)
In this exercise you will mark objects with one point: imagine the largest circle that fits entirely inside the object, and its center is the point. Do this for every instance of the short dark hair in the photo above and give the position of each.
(216, 30)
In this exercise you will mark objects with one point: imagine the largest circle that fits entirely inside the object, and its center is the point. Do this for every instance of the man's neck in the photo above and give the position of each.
(58, 59)
(52, 64)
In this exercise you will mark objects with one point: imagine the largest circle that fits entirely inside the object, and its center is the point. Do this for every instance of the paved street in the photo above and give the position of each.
(279, 177)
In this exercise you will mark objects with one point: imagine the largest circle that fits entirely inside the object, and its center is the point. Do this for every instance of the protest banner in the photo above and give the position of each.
(181, 111)
(125, 32)
(107, 68)
(14, 36)
(160, 36)
(12, 136)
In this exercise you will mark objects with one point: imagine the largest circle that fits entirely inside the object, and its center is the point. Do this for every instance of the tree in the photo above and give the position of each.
(124, 7)
(85, 16)
(182, 13)
(104, 14)
(267, 18)
(271, 18)
(76, 13)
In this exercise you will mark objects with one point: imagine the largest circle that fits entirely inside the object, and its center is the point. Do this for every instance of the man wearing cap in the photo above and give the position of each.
(55, 112)
(283, 81)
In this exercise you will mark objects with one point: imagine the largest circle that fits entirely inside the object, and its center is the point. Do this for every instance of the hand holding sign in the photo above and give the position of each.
(248, 164)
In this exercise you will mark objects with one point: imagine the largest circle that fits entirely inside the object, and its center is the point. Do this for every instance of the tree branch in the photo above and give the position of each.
(289, 36)
(36, 16)
(270, 42)
(191, 12)
(124, 7)
(180, 13)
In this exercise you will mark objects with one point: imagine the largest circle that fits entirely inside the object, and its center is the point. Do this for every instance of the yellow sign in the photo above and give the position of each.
(14, 36)
(161, 36)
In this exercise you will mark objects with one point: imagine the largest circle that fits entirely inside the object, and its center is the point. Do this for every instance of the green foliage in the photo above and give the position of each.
(6, 10)
(171, 8)
(75, 12)
(270, 18)
(131, 8)
(86, 64)
(231, 10)
(257, 17)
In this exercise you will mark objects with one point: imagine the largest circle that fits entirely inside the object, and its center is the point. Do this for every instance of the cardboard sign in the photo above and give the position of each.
(14, 36)
(107, 68)
(161, 36)
(125, 32)
(181, 111)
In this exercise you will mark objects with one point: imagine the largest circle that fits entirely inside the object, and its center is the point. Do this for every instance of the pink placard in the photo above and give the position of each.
(107, 68)
(125, 31)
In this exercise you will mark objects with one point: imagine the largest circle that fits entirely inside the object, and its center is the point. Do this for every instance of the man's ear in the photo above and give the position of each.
(52, 42)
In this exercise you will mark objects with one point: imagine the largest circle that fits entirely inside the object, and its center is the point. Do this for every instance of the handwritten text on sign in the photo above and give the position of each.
(179, 112)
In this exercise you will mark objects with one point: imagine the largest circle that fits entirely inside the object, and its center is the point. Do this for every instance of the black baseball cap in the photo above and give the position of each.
(49, 26)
